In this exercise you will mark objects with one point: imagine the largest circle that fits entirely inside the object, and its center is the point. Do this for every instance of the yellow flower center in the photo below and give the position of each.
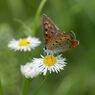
(24, 42)
(49, 60)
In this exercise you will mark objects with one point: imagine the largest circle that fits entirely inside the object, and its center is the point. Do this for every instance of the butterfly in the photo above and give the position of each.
(56, 41)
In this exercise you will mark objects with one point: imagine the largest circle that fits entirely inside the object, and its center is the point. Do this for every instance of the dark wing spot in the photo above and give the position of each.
(50, 27)
(46, 29)
(45, 23)
(46, 35)
(60, 39)
(56, 41)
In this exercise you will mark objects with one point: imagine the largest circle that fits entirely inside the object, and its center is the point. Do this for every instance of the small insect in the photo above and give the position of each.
(56, 41)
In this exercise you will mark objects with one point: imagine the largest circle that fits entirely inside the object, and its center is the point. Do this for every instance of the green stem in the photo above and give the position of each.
(42, 3)
(1, 88)
(41, 85)
(26, 86)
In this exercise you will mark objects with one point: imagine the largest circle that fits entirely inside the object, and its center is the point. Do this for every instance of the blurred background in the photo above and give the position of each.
(78, 78)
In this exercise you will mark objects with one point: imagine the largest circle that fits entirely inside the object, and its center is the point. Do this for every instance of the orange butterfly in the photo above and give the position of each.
(56, 41)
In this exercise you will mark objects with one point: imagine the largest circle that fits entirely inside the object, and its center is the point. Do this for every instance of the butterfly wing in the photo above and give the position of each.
(50, 31)
(68, 40)
(64, 40)
(55, 40)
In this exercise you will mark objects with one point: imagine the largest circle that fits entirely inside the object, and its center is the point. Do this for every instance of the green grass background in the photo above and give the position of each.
(78, 78)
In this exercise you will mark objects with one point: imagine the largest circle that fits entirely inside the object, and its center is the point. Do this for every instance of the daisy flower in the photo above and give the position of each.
(29, 70)
(25, 44)
(49, 63)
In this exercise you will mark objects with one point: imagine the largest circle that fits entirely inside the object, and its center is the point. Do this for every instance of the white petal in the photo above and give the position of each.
(29, 70)
(43, 68)
(14, 44)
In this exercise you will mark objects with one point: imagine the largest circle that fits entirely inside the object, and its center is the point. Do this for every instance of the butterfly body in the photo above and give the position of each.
(56, 41)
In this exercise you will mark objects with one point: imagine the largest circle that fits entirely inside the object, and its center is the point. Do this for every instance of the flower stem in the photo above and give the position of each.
(42, 3)
(26, 87)
(41, 85)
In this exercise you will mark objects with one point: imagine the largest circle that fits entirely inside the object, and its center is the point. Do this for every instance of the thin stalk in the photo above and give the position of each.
(41, 85)
(26, 87)
(42, 3)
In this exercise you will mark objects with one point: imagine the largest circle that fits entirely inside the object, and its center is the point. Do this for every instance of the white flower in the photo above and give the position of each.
(25, 44)
(29, 70)
(50, 63)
